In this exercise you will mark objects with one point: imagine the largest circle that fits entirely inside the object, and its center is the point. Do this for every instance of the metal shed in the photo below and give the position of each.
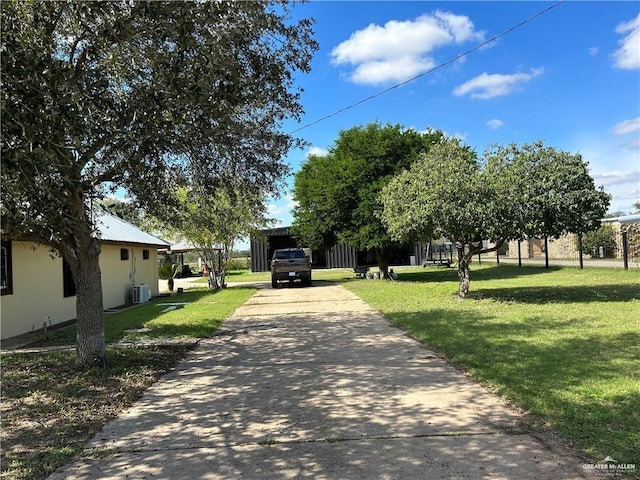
(341, 256)
(266, 241)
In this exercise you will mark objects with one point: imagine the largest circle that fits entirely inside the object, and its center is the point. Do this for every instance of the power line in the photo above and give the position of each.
(438, 67)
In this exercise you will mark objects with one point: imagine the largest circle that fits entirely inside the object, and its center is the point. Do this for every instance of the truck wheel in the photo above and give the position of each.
(274, 282)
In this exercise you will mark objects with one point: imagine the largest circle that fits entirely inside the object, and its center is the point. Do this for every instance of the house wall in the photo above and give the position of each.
(37, 292)
(119, 276)
(38, 288)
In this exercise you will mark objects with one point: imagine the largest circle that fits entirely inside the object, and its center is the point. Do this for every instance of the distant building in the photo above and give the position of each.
(631, 225)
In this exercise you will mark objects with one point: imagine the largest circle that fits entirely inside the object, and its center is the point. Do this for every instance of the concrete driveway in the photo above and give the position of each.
(311, 383)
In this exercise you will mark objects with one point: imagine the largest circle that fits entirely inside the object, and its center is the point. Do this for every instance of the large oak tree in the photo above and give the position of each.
(338, 194)
(142, 96)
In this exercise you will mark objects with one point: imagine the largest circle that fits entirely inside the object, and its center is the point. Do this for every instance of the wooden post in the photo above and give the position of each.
(625, 250)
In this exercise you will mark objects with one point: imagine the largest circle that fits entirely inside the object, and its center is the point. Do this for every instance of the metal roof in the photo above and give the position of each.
(114, 229)
(185, 246)
(633, 218)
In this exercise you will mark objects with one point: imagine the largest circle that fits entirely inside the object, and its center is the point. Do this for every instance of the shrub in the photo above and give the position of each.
(238, 263)
(167, 270)
(603, 237)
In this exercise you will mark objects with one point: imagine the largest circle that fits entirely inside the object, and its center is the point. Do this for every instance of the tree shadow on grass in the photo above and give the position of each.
(71, 405)
(135, 317)
(581, 385)
(478, 273)
(560, 294)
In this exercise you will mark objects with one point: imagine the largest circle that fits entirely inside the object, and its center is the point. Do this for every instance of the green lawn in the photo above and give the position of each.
(319, 274)
(50, 410)
(202, 313)
(564, 344)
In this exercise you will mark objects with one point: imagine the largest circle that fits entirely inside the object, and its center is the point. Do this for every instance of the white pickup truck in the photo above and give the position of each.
(289, 264)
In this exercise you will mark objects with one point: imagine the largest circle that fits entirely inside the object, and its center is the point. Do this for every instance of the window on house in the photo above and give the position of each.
(7, 271)
(145, 254)
(69, 285)
(124, 254)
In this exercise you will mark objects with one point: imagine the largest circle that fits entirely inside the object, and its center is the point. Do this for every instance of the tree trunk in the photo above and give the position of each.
(213, 280)
(464, 272)
(383, 262)
(90, 341)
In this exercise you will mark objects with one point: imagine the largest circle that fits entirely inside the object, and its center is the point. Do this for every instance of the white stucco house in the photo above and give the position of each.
(37, 288)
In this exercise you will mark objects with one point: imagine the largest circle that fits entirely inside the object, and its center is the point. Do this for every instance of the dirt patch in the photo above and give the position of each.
(49, 410)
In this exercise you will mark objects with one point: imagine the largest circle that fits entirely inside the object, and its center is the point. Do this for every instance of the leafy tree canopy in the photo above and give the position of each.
(556, 193)
(337, 194)
(125, 210)
(515, 191)
(213, 220)
(141, 95)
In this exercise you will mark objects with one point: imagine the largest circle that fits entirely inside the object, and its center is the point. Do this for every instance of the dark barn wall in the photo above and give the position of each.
(263, 245)
(340, 256)
(259, 259)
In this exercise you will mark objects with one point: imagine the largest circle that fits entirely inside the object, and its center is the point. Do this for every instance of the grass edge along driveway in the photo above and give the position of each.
(49, 410)
(562, 344)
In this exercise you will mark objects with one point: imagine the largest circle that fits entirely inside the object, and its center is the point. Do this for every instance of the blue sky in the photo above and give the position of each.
(570, 77)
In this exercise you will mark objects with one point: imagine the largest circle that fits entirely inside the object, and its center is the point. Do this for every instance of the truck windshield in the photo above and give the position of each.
(286, 254)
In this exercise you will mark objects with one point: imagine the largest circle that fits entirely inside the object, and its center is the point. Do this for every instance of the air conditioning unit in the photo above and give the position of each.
(141, 294)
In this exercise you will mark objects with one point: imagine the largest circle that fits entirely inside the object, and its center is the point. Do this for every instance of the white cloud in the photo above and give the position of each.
(281, 211)
(628, 126)
(390, 70)
(633, 144)
(290, 201)
(627, 56)
(631, 195)
(317, 151)
(462, 136)
(459, 135)
(615, 177)
(486, 86)
(593, 51)
(275, 210)
(624, 187)
(615, 167)
(400, 50)
(495, 123)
